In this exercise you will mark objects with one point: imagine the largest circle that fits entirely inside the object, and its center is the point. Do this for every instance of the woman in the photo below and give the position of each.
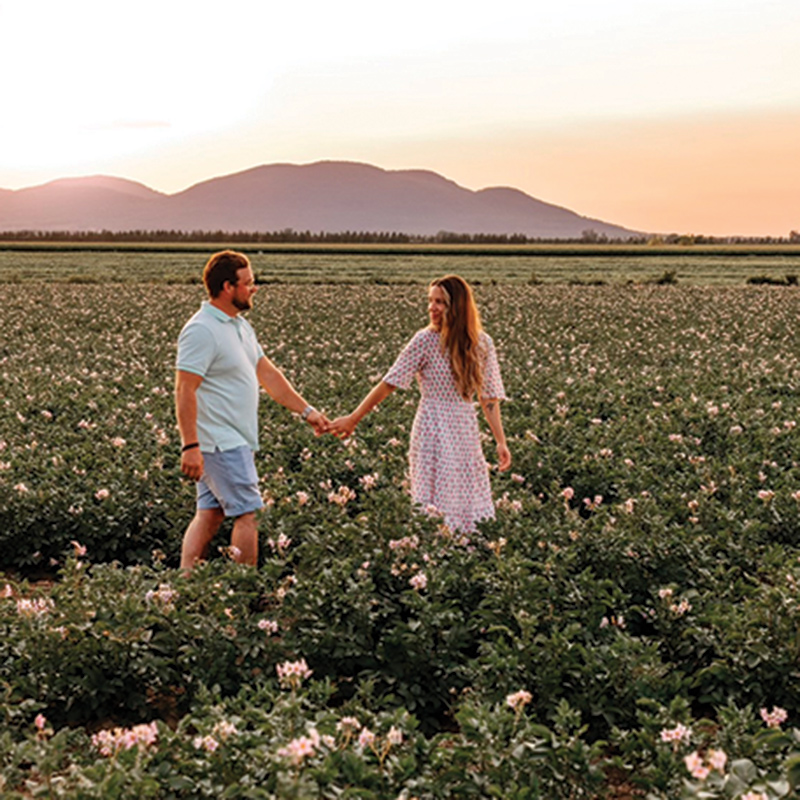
(454, 360)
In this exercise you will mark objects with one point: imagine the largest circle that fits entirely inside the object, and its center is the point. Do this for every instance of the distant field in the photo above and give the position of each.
(135, 263)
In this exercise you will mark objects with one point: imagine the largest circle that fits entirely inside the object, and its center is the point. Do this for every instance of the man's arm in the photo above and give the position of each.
(281, 391)
(186, 385)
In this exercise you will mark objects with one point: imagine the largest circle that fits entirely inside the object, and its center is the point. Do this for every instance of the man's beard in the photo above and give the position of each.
(243, 305)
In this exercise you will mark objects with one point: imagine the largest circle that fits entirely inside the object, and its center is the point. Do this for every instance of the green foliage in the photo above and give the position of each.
(642, 570)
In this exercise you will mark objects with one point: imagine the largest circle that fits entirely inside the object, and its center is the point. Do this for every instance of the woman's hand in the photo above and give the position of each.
(343, 427)
(503, 457)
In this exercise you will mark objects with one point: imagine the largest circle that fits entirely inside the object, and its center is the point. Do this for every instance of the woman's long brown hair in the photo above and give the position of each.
(461, 327)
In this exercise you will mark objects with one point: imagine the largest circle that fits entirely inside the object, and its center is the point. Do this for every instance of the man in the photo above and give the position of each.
(220, 365)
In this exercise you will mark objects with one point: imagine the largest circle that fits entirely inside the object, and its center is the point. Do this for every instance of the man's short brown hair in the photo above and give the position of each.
(222, 267)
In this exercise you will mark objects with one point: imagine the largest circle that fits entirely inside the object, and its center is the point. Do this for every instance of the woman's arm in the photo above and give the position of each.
(491, 409)
(344, 426)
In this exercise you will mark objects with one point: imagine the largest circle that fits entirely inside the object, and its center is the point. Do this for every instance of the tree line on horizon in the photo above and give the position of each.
(290, 236)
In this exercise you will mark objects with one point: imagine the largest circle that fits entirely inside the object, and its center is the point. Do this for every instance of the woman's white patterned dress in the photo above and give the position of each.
(447, 467)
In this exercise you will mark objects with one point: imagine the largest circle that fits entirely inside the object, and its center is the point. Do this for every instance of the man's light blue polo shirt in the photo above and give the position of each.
(224, 351)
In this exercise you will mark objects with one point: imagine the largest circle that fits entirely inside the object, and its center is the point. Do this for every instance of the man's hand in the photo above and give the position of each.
(192, 463)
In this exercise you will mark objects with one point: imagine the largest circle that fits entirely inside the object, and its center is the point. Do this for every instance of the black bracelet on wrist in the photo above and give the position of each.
(190, 446)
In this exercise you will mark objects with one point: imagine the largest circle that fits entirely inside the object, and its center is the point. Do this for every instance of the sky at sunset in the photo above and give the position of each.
(666, 115)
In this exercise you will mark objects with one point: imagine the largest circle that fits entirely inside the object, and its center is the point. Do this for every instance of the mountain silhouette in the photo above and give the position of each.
(327, 196)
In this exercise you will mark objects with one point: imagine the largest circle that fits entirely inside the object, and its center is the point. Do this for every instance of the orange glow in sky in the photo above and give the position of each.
(668, 116)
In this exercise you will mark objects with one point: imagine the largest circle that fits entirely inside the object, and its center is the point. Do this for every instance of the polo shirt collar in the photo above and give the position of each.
(217, 314)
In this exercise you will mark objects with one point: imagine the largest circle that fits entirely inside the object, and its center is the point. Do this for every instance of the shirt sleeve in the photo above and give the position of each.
(492, 387)
(196, 350)
(408, 363)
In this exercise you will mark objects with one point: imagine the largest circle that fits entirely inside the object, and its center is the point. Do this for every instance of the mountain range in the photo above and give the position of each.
(327, 196)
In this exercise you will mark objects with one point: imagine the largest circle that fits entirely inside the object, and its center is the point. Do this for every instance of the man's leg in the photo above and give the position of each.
(200, 532)
(244, 538)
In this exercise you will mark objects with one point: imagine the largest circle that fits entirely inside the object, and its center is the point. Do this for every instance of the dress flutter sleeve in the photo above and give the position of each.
(410, 361)
(492, 387)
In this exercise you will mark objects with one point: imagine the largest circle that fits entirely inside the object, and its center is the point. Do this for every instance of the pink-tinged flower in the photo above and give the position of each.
(696, 766)
(774, 718)
(297, 749)
(754, 796)
(163, 596)
(207, 743)
(629, 505)
(665, 593)
(37, 607)
(102, 494)
(268, 626)
(593, 503)
(518, 700)
(369, 481)
(118, 441)
(224, 729)
(568, 493)
(80, 550)
(292, 673)
(302, 498)
(765, 495)
(342, 496)
(419, 581)
(7, 591)
(680, 733)
(717, 760)
(348, 724)
(281, 545)
(395, 736)
(366, 738)
(109, 742)
(406, 544)
(679, 609)
(21, 488)
(40, 722)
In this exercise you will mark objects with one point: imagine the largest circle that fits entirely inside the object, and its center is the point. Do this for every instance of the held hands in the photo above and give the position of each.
(342, 427)
(319, 422)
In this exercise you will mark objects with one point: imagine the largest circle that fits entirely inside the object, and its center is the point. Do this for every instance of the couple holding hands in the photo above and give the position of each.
(220, 366)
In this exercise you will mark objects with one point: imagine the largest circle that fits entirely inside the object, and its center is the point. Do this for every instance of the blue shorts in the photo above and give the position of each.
(229, 482)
